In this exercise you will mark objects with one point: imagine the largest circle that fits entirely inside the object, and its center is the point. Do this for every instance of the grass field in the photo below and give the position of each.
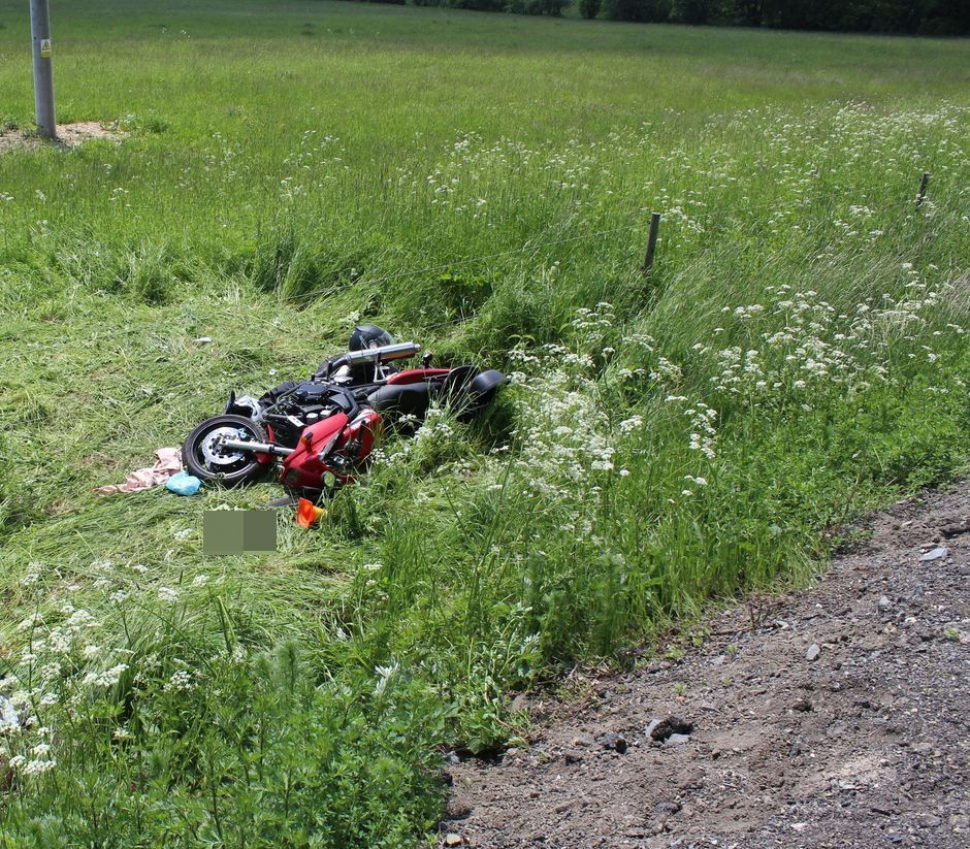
(481, 183)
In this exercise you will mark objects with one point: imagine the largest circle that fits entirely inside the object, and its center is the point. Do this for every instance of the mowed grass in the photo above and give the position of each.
(481, 183)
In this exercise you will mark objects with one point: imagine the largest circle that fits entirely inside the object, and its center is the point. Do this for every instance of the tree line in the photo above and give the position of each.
(913, 17)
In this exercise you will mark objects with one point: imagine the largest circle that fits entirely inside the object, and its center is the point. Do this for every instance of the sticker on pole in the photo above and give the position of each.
(45, 48)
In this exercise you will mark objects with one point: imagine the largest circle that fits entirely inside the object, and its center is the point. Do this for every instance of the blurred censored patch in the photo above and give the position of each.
(238, 531)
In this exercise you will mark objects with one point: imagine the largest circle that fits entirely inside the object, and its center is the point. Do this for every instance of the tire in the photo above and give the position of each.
(479, 392)
(233, 469)
(454, 389)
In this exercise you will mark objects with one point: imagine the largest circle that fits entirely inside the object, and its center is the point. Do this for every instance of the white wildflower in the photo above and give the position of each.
(385, 673)
(168, 594)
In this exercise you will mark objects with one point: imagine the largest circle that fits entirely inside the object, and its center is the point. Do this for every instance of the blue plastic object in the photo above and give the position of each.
(182, 483)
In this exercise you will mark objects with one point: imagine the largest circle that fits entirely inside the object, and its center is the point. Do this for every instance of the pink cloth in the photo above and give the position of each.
(169, 462)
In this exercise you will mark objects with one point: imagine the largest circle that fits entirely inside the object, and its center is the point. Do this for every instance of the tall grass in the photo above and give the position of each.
(797, 356)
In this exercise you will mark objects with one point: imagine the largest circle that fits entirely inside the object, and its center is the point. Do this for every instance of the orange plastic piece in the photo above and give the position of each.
(308, 514)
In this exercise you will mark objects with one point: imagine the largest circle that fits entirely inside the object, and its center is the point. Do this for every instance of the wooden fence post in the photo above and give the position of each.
(651, 242)
(922, 189)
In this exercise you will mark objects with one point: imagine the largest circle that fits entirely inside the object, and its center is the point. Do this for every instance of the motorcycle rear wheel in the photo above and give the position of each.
(201, 457)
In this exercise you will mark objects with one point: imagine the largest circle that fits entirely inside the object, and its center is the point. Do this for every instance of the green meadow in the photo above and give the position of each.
(481, 184)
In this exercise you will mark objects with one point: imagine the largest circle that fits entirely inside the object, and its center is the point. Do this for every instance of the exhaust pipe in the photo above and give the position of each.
(385, 353)
(382, 354)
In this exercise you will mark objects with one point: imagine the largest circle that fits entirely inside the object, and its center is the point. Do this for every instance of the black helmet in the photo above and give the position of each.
(369, 336)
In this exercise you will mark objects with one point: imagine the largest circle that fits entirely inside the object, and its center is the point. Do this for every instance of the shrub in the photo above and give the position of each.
(691, 11)
(477, 5)
(553, 8)
(589, 9)
(644, 11)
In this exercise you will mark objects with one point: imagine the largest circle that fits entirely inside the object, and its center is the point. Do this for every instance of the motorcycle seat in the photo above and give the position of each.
(408, 399)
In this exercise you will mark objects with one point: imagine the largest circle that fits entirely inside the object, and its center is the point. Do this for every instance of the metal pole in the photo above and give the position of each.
(40, 31)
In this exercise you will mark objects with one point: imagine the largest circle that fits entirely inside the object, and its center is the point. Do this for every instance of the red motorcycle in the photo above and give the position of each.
(324, 429)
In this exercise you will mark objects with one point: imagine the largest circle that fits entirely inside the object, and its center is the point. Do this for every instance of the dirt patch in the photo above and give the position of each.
(837, 717)
(68, 135)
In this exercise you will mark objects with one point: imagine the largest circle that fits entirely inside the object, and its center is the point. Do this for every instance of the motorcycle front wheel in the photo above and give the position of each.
(203, 456)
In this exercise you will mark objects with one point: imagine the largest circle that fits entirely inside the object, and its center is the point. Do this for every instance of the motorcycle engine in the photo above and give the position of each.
(302, 405)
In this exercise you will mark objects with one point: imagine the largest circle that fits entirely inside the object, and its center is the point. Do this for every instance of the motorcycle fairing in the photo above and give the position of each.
(336, 445)
(304, 467)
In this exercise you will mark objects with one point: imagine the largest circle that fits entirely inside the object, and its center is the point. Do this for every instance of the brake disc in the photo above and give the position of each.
(213, 452)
